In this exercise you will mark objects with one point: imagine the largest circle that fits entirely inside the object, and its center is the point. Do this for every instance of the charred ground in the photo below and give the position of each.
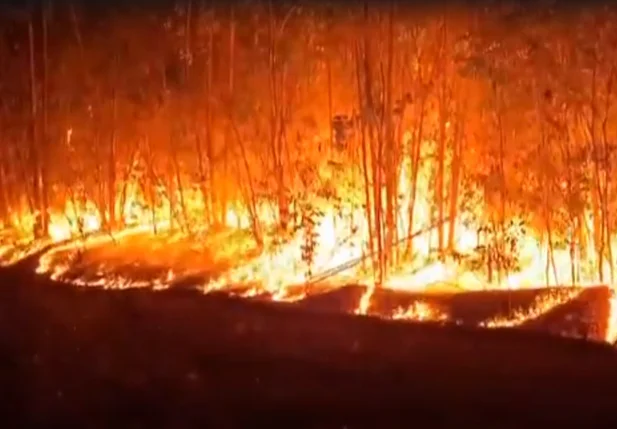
(139, 358)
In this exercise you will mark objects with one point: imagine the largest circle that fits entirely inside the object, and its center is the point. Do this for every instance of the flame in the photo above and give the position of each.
(543, 304)
(420, 311)
(330, 245)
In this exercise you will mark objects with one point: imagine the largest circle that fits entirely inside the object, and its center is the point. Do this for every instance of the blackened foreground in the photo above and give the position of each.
(93, 358)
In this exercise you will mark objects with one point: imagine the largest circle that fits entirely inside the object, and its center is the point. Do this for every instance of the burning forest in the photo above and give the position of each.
(425, 163)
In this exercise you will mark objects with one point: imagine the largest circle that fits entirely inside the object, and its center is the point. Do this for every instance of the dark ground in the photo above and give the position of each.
(91, 358)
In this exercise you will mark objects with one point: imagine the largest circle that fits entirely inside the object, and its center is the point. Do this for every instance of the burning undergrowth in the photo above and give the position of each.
(141, 258)
(568, 311)
(311, 266)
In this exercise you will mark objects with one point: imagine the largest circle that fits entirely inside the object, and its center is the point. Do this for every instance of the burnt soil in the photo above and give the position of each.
(77, 357)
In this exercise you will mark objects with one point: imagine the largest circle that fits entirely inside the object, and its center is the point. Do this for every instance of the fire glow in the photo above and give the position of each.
(341, 251)
(280, 154)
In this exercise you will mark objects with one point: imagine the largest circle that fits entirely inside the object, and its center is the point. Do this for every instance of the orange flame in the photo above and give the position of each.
(339, 254)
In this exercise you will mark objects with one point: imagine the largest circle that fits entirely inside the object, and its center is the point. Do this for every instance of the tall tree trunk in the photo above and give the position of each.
(441, 150)
(209, 198)
(330, 104)
(415, 155)
(223, 196)
(375, 141)
(597, 193)
(606, 166)
(457, 162)
(4, 191)
(250, 196)
(185, 224)
(45, 152)
(111, 162)
(151, 185)
(276, 121)
(365, 163)
(34, 155)
(501, 227)
(392, 166)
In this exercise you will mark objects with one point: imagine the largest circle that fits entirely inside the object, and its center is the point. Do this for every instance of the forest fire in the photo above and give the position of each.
(339, 257)
(415, 178)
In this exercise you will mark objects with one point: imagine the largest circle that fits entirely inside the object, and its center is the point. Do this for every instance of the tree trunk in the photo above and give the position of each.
(456, 177)
(441, 151)
(415, 155)
(365, 165)
(376, 159)
(45, 152)
(224, 197)
(330, 103)
(251, 197)
(34, 154)
(503, 189)
(185, 224)
(597, 193)
(111, 169)
(4, 189)
(276, 121)
(151, 186)
(392, 165)
(606, 166)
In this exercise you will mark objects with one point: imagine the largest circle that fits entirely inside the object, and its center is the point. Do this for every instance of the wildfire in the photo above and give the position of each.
(330, 246)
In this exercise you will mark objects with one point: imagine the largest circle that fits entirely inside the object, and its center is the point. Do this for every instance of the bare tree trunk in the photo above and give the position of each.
(111, 162)
(546, 185)
(100, 196)
(597, 194)
(45, 152)
(203, 181)
(24, 172)
(34, 118)
(415, 155)
(606, 166)
(252, 197)
(4, 189)
(276, 121)
(456, 176)
(209, 198)
(502, 177)
(441, 151)
(374, 139)
(151, 185)
(330, 107)
(365, 166)
(223, 197)
(392, 166)
(185, 224)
